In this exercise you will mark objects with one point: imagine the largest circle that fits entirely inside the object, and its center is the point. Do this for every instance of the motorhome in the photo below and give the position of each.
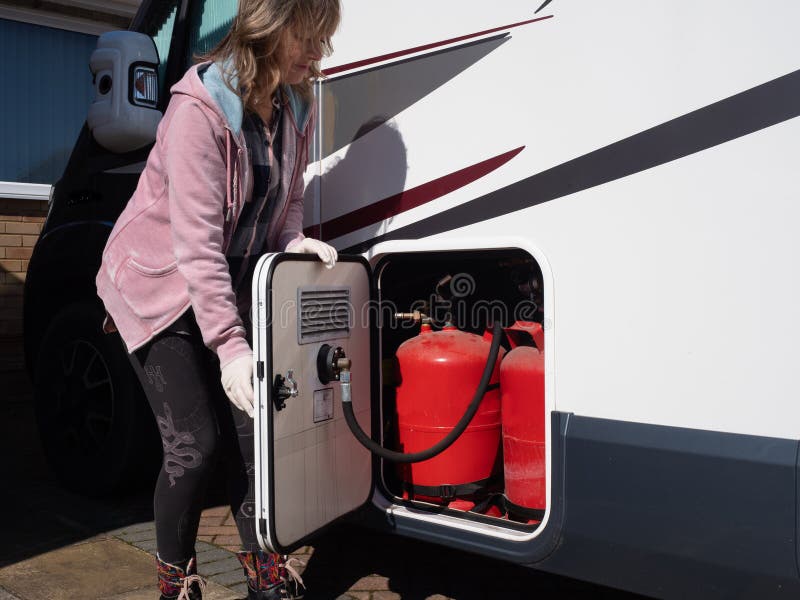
(614, 185)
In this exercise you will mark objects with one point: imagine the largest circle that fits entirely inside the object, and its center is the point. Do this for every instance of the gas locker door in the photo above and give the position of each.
(310, 469)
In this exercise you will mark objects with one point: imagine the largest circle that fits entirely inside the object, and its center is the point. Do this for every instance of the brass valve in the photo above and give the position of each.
(415, 316)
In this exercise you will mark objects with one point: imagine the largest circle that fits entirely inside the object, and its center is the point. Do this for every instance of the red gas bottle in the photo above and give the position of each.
(522, 403)
(439, 372)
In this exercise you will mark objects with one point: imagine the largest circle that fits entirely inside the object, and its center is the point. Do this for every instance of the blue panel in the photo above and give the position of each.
(211, 22)
(162, 37)
(47, 91)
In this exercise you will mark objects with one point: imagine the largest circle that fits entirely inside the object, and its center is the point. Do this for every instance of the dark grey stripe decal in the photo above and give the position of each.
(356, 104)
(752, 110)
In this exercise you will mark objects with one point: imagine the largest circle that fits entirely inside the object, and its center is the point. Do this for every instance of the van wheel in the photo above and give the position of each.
(97, 431)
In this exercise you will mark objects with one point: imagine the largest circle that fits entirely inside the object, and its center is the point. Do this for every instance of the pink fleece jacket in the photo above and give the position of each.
(167, 249)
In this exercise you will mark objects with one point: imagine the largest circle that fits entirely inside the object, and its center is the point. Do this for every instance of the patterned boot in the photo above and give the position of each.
(179, 582)
(269, 577)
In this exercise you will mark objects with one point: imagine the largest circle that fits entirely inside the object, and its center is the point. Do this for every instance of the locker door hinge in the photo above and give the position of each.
(260, 369)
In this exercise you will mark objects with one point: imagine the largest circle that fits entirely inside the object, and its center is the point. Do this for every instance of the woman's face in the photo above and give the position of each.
(298, 54)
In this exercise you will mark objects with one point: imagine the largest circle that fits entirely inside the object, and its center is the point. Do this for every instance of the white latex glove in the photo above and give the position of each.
(237, 381)
(326, 253)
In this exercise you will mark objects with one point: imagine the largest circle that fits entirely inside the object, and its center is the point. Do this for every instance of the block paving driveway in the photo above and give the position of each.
(51, 531)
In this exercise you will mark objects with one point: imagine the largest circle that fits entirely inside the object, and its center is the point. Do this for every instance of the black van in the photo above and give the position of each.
(96, 429)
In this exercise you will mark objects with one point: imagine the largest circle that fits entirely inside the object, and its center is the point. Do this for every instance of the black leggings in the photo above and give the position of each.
(199, 426)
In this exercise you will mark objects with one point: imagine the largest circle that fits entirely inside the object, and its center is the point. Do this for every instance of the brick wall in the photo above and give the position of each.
(20, 224)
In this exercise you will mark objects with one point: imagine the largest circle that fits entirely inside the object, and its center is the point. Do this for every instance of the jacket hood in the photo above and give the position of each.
(205, 82)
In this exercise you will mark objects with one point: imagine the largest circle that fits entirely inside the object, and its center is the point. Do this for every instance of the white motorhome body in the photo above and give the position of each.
(624, 173)
(643, 156)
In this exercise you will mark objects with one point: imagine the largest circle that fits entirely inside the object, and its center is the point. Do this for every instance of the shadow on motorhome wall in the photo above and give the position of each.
(380, 93)
(375, 164)
(357, 112)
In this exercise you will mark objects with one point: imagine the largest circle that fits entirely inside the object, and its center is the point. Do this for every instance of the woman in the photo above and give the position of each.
(223, 183)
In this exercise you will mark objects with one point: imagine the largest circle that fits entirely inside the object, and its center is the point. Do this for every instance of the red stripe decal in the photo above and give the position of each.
(408, 199)
(383, 57)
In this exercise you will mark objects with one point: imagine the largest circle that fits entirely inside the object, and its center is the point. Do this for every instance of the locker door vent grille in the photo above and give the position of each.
(325, 314)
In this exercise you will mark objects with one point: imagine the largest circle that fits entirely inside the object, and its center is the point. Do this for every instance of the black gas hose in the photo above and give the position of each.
(446, 441)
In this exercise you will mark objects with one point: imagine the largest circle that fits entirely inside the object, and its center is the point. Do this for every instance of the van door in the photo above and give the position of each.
(310, 469)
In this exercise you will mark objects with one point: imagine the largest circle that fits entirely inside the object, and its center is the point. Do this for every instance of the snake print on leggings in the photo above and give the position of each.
(176, 459)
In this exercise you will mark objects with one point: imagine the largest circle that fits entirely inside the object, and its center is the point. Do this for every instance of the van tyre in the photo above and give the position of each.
(96, 428)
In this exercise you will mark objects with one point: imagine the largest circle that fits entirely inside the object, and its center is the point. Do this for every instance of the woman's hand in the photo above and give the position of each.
(326, 253)
(237, 381)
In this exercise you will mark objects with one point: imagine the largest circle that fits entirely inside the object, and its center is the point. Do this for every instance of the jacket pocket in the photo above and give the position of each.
(150, 272)
(149, 292)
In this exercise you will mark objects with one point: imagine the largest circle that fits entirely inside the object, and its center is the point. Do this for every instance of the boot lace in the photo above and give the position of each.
(187, 582)
(293, 579)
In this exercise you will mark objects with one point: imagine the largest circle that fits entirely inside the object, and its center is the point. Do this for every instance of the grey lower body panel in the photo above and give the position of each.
(662, 511)
(678, 513)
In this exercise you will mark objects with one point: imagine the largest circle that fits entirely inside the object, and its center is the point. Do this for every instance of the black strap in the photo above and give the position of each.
(523, 512)
(448, 492)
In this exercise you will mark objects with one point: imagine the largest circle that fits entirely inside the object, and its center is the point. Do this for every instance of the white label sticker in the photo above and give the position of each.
(323, 405)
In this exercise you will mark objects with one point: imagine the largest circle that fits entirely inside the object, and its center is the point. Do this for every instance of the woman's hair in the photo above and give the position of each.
(252, 48)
